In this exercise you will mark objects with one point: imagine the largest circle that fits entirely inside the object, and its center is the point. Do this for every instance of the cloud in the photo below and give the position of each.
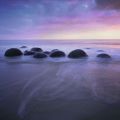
(108, 4)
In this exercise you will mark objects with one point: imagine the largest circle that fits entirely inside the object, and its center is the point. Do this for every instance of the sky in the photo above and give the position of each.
(60, 19)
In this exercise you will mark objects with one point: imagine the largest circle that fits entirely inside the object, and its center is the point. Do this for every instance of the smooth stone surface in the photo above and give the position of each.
(28, 52)
(40, 55)
(88, 48)
(55, 50)
(46, 52)
(23, 47)
(100, 50)
(12, 52)
(78, 53)
(57, 53)
(104, 55)
(36, 49)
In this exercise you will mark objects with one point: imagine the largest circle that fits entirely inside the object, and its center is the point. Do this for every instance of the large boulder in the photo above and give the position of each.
(103, 55)
(78, 53)
(12, 52)
(57, 53)
(36, 49)
(40, 55)
(28, 52)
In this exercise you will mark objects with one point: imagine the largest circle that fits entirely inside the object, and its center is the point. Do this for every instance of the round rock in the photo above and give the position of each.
(57, 53)
(12, 52)
(23, 47)
(100, 50)
(36, 49)
(28, 52)
(46, 52)
(54, 50)
(103, 55)
(78, 53)
(88, 48)
(40, 55)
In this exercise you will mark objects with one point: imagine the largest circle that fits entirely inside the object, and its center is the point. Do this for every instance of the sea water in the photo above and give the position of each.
(91, 47)
(63, 88)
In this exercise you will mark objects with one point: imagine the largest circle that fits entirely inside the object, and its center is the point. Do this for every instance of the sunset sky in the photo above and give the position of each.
(59, 19)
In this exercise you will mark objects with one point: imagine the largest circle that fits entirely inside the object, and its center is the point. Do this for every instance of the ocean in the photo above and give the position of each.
(92, 47)
(62, 88)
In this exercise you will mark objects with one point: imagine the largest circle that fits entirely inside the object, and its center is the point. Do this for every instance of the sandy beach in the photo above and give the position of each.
(66, 90)
(60, 89)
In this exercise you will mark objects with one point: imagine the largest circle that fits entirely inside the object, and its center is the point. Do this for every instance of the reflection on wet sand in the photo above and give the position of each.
(65, 90)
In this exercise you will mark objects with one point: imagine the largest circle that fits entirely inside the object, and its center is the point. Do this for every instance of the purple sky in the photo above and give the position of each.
(59, 19)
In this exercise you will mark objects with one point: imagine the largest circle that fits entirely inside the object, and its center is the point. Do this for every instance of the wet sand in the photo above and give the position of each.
(72, 90)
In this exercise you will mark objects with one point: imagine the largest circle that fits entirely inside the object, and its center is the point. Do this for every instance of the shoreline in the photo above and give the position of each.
(60, 88)
(45, 89)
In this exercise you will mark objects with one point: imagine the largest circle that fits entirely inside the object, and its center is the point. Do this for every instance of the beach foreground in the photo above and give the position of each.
(74, 90)
(60, 88)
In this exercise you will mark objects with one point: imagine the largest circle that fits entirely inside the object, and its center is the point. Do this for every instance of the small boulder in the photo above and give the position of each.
(88, 48)
(54, 50)
(78, 53)
(40, 55)
(100, 50)
(57, 53)
(23, 47)
(12, 52)
(46, 52)
(104, 55)
(28, 52)
(36, 49)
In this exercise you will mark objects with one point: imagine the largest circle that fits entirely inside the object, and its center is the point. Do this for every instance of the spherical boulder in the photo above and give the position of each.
(23, 47)
(57, 53)
(46, 52)
(39, 55)
(100, 50)
(12, 52)
(55, 50)
(88, 48)
(78, 53)
(103, 55)
(28, 53)
(36, 49)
